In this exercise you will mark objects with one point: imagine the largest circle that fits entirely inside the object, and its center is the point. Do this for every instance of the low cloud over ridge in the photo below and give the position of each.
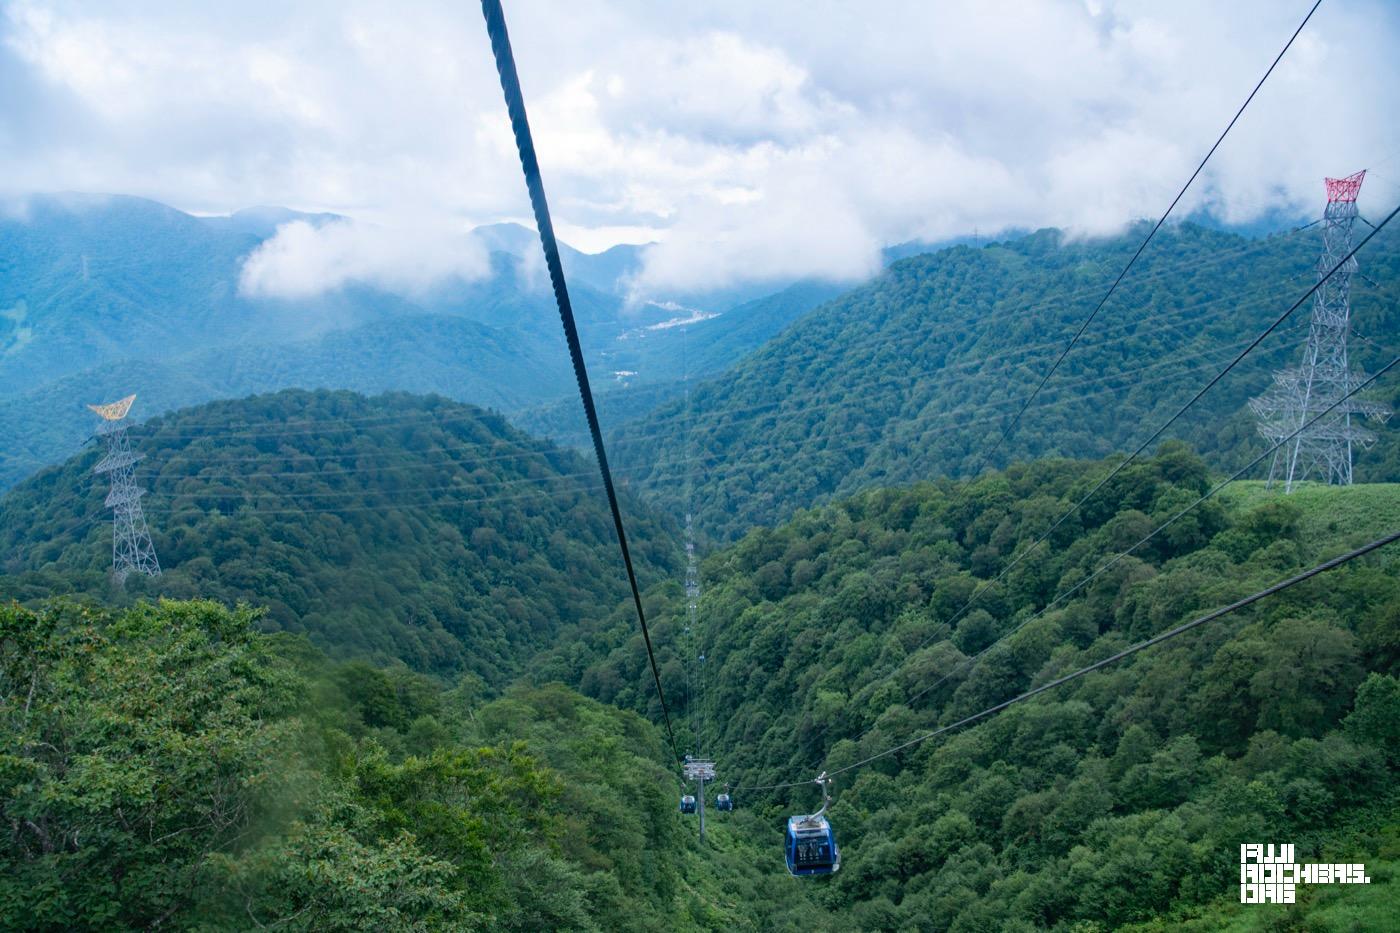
(748, 141)
(304, 259)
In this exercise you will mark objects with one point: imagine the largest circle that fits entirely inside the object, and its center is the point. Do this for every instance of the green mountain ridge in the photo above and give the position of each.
(914, 375)
(391, 527)
(437, 344)
(400, 743)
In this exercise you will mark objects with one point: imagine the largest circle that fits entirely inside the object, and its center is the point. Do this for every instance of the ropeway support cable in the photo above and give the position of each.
(520, 125)
(1171, 633)
(1162, 220)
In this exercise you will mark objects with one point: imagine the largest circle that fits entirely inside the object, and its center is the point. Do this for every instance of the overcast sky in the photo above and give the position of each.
(750, 139)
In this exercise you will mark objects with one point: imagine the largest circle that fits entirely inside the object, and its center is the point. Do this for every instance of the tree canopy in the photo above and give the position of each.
(399, 526)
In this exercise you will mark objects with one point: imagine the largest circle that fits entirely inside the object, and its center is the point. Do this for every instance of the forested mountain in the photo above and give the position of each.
(453, 356)
(387, 737)
(391, 527)
(666, 360)
(345, 795)
(1119, 798)
(103, 295)
(914, 375)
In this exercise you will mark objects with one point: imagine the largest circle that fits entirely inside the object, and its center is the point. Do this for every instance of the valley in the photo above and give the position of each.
(701, 468)
(387, 556)
(103, 293)
(403, 560)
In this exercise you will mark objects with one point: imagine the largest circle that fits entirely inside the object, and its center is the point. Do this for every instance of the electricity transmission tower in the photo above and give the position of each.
(132, 549)
(1325, 377)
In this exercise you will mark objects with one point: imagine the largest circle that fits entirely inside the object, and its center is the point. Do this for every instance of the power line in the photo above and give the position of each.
(1112, 659)
(1163, 219)
(1122, 465)
(520, 125)
(1010, 312)
(1113, 562)
(679, 468)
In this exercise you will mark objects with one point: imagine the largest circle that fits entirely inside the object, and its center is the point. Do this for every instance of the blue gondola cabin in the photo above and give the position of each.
(811, 846)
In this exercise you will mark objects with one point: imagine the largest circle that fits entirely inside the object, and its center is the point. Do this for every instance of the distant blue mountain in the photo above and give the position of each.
(1274, 220)
(919, 247)
(102, 295)
(263, 221)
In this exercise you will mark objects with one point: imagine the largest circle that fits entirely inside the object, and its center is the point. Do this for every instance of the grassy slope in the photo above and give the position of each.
(1331, 514)
(1333, 517)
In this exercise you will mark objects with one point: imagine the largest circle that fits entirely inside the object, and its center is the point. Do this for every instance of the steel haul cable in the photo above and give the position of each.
(520, 125)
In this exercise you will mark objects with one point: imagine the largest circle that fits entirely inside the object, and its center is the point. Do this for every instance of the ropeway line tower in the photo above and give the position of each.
(132, 549)
(696, 767)
(1324, 378)
(692, 601)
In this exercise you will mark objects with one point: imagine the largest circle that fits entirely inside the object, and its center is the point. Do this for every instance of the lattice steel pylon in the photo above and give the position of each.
(1300, 394)
(132, 549)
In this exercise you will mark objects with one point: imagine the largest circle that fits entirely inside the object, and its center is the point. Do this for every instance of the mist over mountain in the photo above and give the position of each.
(104, 295)
(876, 538)
(916, 374)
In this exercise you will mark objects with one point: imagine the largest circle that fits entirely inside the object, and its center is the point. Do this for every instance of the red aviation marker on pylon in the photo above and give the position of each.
(1344, 189)
(1319, 391)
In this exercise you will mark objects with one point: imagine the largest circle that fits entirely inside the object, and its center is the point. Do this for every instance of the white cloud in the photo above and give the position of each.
(750, 141)
(302, 260)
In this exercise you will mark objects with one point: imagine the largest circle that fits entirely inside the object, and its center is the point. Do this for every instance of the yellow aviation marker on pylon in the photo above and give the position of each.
(115, 411)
